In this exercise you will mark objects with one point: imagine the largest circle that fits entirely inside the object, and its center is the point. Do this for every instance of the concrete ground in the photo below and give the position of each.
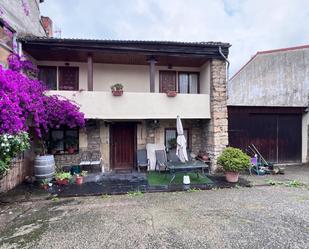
(259, 217)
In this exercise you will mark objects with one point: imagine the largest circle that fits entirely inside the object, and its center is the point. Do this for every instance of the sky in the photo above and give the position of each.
(248, 25)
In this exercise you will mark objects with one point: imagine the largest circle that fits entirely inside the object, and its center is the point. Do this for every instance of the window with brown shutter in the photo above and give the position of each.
(167, 81)
(48, 75)
(68, 78)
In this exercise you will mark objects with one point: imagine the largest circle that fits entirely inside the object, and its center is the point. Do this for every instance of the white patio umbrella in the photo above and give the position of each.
(181, 150)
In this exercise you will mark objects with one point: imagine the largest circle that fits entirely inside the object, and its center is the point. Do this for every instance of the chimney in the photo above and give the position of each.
(47, 25)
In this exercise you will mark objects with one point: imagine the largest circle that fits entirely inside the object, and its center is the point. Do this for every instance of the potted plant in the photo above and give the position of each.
(45, 184)
(80, 177)
(233, 161)
(117, 89)
(171, 93)
(203, 155)
(63, 178)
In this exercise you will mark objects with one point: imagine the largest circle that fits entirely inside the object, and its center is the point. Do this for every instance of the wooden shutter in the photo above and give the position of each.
(167, 81)
(68, 78)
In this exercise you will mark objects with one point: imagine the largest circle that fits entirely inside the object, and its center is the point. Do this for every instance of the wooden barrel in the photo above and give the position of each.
(44, 167)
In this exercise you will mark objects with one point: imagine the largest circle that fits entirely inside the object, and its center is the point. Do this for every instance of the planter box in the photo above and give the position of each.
(171, 94)
(117, 92)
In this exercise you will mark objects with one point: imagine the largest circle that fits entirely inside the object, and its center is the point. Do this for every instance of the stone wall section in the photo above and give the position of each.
(216, 129)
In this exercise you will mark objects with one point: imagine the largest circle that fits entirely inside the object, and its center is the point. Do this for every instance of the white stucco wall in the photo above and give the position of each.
(273, 79)
(136, 105)
(18, 20)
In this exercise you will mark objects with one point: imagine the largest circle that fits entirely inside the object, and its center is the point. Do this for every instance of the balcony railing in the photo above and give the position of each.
(133, 105)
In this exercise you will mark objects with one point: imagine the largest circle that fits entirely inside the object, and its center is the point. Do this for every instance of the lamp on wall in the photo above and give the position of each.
(67, 64)
(170, 66)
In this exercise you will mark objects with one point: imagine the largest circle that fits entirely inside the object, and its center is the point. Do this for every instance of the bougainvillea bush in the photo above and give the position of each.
(23, 103)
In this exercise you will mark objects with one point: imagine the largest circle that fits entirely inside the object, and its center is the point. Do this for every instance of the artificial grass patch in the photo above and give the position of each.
(164, 178)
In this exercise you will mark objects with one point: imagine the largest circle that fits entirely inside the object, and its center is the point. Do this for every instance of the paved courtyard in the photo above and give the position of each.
(259, 217)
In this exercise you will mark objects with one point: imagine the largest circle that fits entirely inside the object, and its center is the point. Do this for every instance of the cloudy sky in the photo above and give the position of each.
(249, 25)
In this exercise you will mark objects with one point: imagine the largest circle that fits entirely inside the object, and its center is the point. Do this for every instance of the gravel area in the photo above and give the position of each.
(259, 217)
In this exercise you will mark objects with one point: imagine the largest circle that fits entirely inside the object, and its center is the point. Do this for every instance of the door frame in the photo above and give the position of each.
(134, 124)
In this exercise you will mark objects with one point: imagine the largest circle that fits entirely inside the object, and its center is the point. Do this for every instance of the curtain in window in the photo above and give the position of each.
(183, 83)
(193, 79)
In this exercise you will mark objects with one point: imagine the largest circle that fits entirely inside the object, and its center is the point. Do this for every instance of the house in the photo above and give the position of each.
(84, 70)
(268, 104)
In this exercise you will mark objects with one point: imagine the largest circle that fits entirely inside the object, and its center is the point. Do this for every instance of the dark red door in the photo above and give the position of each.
(122, 146)
(167, 81)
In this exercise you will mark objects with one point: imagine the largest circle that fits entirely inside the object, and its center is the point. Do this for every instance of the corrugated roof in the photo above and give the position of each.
(108, 41)
(269, 52)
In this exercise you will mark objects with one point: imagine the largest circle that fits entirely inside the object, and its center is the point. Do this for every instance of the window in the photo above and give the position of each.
(188, 82)
(48, 75)
(171, 136)
(167, 81)
(68, 78)
(6, 36)
(64, 141)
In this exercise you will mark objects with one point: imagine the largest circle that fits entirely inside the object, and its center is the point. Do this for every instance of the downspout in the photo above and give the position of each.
(227, 69)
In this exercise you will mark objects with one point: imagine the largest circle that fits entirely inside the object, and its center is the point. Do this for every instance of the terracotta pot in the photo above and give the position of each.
(79, 180)
(171, 93)
(44, 186)
(71, 150)
(62, 182)
(117, 92)
(232, 176)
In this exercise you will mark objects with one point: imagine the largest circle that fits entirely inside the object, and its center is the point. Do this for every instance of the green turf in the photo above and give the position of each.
(156, 178)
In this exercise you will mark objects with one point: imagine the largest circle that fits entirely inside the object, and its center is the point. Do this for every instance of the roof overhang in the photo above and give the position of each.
(124, 52)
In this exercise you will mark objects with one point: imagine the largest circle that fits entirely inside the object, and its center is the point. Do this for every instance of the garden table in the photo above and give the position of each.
(191, 166)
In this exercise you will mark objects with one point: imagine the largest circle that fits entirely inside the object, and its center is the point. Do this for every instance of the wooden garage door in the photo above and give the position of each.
(276, 135)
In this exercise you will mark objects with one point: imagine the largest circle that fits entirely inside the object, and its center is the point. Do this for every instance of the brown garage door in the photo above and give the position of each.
(276, 132)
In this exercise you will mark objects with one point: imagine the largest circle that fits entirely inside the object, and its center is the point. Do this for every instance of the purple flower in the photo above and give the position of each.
(23, 103)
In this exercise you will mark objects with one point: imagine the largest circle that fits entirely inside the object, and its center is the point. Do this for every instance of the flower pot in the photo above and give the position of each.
(171, 93)
(79, 180)
(118, 92)
(62, 182)
(44, 186)
(71, 150)
(232, 176)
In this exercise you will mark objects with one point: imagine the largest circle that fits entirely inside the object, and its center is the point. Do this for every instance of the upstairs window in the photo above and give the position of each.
(188, 82)
(48, 75)
(6, 36)
(68, 78)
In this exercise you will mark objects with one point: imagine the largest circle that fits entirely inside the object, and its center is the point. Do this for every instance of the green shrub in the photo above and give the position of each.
(10, 147)
(234, 160)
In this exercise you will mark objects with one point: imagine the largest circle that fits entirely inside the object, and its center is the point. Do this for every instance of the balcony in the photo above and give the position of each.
(142, 105)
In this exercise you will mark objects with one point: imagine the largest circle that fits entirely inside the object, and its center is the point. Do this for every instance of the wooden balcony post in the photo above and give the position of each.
(90, 72)
(152, 74)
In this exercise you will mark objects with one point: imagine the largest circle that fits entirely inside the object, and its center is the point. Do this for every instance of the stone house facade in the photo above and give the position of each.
(116, 127)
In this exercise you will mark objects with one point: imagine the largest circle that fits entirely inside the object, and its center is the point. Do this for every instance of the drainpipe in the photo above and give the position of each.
(227, 70)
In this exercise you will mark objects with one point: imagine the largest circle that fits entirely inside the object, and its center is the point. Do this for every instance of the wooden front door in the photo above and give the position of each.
(167, 81)
(122, 146)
